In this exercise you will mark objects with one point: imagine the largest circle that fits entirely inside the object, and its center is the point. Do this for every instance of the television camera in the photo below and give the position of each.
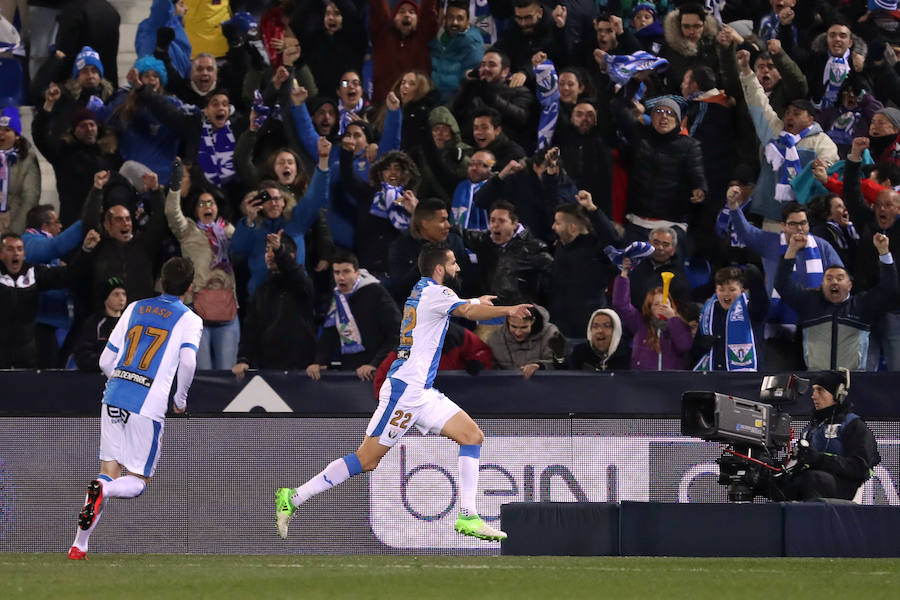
(756, 434)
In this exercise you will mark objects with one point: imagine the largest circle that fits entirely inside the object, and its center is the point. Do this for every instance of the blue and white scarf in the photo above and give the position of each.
(480, 17)
(463, 214)
(836, 70)
(348, 115)
(262, 111)
(636, 251)
(815, 270)
(341, 318)
(622, 67)
(768, 27)
(218, 243)
(841, 131)
(216, 153)
(386, 204)
(740, 345)
(725, 228)
(547, 90)
(843, 235)
(781, 154)
(7, 159)
(714, 8)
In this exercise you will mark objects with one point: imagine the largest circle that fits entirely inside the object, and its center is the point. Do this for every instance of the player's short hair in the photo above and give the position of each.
(344, 256)
(432, 255)
(506, 205)
(177, 275)
(726, 274)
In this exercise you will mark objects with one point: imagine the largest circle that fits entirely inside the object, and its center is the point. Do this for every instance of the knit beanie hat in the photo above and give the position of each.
(882, 4)
(88, 57)
(830, 380)
(670, 103)
(9, 117)
(891, 114)
(83, 114)
(113, 283)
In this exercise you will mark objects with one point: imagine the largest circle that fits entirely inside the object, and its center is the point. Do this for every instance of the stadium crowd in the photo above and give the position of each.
(301, 153)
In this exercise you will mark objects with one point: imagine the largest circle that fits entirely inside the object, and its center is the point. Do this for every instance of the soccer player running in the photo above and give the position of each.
(407, 397)
(154, 339)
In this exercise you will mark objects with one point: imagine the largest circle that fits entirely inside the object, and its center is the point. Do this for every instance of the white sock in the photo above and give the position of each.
(469, 458)
(337, 471)
(128, 486)
(81, 536)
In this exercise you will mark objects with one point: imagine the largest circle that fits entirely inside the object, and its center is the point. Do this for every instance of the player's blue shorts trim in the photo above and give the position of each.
(398, 386)
(154, 448)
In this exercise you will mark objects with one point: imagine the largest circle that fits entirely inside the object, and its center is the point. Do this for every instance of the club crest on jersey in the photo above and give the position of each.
(447, 292)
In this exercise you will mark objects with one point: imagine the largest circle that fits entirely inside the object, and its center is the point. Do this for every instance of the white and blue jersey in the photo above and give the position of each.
(147, 341)
(426, 315)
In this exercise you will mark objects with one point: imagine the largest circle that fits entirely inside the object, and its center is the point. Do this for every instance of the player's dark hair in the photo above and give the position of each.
(507, 206)
(344, 256)
(432, 255)
(427, 208)
(177, 275)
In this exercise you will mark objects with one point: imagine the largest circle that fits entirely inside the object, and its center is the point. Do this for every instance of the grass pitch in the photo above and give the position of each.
(36, 576)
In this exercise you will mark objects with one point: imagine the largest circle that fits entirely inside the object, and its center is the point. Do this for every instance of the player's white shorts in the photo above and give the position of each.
(131, 439)
(400, 408)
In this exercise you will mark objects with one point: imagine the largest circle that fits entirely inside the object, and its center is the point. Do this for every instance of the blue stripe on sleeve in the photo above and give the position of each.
(189, 345)
(455, 306)
(111, 347)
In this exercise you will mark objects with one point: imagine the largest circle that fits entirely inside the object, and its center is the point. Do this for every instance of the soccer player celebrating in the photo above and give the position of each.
(407, 397)
(154, 339)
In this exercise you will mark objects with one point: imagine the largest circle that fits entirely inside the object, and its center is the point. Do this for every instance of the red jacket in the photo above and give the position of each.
(393, 56)
(460, 347)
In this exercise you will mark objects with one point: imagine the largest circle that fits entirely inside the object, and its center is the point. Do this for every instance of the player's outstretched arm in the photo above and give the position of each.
(483, 310)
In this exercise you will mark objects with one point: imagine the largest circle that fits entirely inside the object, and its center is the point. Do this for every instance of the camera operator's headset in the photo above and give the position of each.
(840, 394)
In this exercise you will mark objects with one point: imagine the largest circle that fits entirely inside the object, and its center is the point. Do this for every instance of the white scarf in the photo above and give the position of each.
(7, 159)
(782, 154)
(836, 70)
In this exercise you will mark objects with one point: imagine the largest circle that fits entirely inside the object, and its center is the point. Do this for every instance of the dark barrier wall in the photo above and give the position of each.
(487, 394)
(568, 439)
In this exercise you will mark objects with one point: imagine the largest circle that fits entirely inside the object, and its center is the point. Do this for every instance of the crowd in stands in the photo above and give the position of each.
(302, 152)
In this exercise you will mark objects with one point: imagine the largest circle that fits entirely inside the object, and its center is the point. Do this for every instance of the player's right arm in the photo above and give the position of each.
(116, 342)
(187, 362)
(481, 309)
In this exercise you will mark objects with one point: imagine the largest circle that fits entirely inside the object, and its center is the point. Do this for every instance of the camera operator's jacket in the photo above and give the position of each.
(836, 335)
(848, 447)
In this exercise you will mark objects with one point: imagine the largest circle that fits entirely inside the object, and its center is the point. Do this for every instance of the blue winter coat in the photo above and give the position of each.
(162, 14)
(250, 242)
(53, 305)
(451, 57)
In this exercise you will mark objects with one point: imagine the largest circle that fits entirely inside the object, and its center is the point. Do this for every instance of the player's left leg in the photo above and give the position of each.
(94, 502)
(464, 431)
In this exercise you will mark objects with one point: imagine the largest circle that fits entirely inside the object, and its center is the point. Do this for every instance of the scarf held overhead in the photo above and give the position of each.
(781, 154)
(218, 242)
(341, 318)
(216, 153)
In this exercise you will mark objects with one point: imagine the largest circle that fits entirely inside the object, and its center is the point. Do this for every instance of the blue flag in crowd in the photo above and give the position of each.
(548, 95)
(622, 67)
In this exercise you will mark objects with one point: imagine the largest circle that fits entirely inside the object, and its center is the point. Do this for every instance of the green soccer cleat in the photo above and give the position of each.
(284, 510)
(475, 527)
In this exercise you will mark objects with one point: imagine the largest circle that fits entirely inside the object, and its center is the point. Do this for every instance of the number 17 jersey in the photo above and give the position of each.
(147, 341)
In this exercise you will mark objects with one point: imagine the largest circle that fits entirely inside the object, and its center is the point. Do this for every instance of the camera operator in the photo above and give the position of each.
(836, 452)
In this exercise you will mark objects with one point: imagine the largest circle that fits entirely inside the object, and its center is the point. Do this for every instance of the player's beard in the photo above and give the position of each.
(453, 282)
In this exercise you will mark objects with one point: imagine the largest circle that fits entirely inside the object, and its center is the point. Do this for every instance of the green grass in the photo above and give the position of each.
(35, 576)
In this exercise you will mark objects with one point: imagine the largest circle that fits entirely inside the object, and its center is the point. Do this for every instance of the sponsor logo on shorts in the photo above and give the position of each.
(133, 377)
(392, 434)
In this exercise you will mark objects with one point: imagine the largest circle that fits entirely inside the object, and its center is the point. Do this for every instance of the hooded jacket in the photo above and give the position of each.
(509, 353)
(683, 54)
(162, 14)
(393, 55)
(586, 357)
(452, 56)
(442, 169)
